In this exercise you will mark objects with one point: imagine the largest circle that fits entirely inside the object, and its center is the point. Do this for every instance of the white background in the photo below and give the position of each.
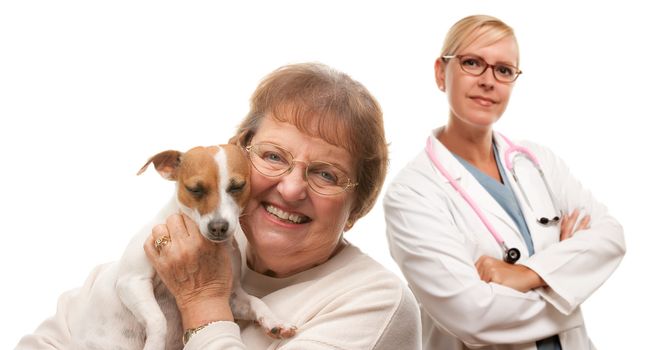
(89, 90)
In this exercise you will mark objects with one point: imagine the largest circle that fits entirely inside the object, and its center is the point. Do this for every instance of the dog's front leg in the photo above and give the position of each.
(248, 307)
(136, 292)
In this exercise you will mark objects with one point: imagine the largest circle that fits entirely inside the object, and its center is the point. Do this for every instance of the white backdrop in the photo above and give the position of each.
(89, 90)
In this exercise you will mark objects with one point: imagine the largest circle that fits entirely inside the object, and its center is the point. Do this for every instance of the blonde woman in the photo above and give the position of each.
(499, 242)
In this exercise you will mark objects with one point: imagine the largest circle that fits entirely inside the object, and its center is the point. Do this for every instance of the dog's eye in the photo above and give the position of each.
(197, 191)
(235, 187)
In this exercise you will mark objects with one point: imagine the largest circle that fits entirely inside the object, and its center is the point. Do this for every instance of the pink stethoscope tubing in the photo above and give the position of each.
(511, 255)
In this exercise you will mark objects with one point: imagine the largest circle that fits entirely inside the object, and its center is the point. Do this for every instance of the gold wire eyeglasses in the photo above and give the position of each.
(324, 178)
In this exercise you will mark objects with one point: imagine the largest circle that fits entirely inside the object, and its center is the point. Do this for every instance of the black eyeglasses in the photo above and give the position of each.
(475, 65)
(324, 178)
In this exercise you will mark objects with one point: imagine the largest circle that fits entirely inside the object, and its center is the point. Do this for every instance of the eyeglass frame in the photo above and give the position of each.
(348, 185)
(486, 66)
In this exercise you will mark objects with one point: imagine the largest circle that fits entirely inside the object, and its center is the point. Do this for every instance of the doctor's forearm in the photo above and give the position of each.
(518, 277)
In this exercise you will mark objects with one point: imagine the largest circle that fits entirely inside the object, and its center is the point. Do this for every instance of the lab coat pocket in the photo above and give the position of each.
(544, 235)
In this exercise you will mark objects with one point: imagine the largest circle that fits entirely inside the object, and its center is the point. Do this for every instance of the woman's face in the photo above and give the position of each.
(478, 101)
(289, 226)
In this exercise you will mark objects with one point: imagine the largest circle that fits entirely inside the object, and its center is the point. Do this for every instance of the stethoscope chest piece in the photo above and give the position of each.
(512, 255)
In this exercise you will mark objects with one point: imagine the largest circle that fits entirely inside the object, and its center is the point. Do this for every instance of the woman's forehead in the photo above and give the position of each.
(502, 50)
(330, 127)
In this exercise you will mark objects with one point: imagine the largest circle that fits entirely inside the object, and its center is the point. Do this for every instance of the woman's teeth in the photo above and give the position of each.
(297, 219)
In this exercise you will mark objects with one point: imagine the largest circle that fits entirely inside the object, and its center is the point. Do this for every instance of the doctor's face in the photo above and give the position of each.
(290, 227)
(477, 101)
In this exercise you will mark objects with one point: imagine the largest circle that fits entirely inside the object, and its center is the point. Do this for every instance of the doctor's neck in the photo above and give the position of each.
(474, 144)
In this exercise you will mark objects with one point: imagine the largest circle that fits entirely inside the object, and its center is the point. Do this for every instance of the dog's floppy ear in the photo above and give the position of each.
(241, 139)
(166, 163)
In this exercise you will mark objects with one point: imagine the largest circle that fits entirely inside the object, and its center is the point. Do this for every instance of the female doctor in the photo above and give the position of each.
(498, 241)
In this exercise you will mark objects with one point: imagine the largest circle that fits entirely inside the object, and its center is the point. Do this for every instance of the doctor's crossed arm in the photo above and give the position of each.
(518, 276)
(496, 239)
(566, 266)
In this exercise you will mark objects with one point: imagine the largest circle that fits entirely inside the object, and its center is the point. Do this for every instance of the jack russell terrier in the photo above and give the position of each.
(128, 306)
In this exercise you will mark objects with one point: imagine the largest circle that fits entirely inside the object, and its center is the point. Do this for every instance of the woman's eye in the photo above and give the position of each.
(471, 62)
(504, 70)
(324, 175)
(327, 176)
(273, 157)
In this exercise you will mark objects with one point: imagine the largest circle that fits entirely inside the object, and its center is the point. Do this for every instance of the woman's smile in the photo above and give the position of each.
(286, 216)
(483, 101)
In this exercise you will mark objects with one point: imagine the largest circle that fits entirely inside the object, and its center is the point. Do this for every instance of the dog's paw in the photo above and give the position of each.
(282, 331)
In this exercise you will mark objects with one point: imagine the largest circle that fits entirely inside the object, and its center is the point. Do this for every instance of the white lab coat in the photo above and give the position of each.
(436, 238)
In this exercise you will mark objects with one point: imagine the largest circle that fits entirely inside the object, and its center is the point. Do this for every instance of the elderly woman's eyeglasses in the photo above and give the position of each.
(475, 65)
(324, 178)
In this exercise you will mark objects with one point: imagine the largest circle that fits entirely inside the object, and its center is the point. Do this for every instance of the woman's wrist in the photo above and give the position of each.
(197, 313)
(532, 279)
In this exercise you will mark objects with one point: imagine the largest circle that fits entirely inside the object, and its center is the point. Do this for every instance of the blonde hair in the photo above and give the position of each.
(472, 28)
(327, 104)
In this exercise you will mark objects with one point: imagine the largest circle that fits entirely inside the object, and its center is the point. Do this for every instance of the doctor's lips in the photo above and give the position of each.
(482, 100)
(293, 218)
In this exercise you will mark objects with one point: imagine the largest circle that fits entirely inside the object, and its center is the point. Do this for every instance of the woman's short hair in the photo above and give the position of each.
(328, 104)
(469, 29)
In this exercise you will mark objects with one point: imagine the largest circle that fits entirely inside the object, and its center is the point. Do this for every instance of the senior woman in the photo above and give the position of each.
(307, 123)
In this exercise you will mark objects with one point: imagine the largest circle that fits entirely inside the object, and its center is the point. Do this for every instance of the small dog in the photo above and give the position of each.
(129, 307)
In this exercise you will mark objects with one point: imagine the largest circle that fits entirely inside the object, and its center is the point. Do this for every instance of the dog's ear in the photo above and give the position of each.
(241, 139)
(166, 163)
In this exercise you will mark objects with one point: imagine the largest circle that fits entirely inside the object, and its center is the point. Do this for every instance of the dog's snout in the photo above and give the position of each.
(218, 228)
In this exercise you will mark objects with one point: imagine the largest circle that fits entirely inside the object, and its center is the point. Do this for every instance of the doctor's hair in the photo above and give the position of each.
(328, 104)
(472, 28)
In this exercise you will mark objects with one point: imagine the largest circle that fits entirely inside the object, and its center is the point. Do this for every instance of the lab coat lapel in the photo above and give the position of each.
(469, 183)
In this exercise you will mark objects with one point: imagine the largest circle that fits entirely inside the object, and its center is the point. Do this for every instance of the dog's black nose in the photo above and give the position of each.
(218, 228)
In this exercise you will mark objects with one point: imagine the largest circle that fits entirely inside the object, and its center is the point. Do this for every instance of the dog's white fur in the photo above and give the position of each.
(129, 308)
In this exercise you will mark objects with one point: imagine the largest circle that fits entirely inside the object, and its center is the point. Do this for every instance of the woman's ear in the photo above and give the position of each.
(439, 73)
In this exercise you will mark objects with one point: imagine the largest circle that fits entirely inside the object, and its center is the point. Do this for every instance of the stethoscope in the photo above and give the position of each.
(511, 255)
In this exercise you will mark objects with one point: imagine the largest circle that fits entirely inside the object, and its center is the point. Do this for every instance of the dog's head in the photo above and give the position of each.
(213, 185)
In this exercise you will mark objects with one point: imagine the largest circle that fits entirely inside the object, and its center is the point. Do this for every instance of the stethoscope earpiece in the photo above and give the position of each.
(512, 255)
(546, 221)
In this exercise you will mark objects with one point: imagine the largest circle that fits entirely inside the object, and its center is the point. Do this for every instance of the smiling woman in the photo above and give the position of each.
(474, 292)
(316, 141)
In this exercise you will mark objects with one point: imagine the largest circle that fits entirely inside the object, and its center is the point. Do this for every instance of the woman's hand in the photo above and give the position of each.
(518, 277)
(568, 224)
(196, 271)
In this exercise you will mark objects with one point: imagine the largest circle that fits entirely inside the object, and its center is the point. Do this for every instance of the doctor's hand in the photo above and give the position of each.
(196, 271)
(568, 224)
(518, 277)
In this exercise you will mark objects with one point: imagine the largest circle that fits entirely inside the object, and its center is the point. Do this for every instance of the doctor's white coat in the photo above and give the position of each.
(436, 238)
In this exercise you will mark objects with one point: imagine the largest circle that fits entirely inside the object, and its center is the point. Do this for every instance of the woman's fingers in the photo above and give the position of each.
(570, 224)
(584, 224)
(191, 267)
(482, 266)
(157, 241)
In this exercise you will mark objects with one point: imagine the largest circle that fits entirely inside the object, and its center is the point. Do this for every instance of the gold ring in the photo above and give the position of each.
(161, 242)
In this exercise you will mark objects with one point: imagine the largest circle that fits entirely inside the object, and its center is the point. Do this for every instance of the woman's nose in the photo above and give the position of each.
(487, 80)
(293, 186)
